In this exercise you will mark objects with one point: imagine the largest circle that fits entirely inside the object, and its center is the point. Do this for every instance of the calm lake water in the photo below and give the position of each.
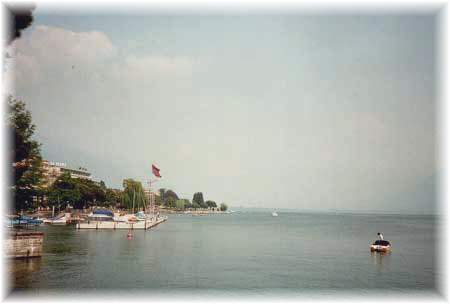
(242, 251)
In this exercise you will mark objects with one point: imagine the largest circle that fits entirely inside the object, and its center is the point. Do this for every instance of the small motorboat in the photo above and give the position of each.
(61, 219)
(380, 246)
(31, 220)
(274, 214)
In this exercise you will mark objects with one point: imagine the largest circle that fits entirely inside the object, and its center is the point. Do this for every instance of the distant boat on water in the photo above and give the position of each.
(274, 214)
(381, 246)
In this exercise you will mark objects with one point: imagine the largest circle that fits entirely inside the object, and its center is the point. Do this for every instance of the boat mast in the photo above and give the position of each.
(134, 194)
(150, 201)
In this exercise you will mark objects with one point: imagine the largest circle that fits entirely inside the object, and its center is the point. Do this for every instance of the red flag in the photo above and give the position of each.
(156, 171)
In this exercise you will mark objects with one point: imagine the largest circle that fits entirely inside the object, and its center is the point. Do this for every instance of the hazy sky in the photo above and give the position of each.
(309, 112)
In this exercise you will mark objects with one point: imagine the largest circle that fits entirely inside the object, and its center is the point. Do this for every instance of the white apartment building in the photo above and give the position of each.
(54, 169)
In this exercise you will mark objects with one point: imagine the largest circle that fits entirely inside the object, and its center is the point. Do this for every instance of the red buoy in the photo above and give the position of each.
(130, 235)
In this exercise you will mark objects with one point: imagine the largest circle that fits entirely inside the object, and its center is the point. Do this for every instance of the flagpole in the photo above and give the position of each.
(151, 197)
(150, 201)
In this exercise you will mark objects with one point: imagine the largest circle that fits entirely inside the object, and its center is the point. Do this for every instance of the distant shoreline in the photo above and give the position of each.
(312, 211)
(192, 212)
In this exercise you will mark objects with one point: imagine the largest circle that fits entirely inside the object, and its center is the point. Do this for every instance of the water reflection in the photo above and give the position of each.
(22, 270)
(27, 265)
(58, 241)
(381, 259)
(129, 244)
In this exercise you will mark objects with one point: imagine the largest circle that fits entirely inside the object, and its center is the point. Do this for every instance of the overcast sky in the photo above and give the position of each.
(308, 112)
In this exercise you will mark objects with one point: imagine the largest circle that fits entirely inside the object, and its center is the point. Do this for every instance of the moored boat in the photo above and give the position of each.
(14, 220)
(31, 220)
(101, 216)
(59, 220)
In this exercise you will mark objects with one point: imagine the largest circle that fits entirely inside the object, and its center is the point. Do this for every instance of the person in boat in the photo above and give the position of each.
(380, 236)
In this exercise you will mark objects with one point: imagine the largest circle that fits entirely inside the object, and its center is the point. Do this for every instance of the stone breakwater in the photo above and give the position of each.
(23, 244)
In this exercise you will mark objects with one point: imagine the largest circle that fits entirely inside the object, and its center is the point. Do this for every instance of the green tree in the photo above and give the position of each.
(87, 196)
(92, 192)
(65, 190)
(162, 193)
(99, 193)
(211, 204)
(180, 204)
(164, 196)
(133, 191)
(198, 200)
(223, 207)
(195, 205)
(158, 200)
(102, 184)
(170, 202)
(25, 155)
(121, 203)
(170, 193)
(187, 203)
(112, 197)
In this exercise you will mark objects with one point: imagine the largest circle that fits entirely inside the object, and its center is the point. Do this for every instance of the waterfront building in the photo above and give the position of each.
(54, 169)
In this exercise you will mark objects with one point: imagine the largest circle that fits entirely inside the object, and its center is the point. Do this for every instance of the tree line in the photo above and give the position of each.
(28, 187)
(169, 199)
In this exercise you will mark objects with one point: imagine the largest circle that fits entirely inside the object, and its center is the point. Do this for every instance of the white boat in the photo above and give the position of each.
(107, 216)
(274, 214)
(132, 218)
(101, 216)
(59, 221)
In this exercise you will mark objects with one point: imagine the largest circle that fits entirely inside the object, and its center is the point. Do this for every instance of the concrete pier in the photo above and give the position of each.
(23, 244)
(140, 225)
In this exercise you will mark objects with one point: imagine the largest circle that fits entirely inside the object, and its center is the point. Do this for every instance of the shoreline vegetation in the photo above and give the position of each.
(193, 212)
(32, 192)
